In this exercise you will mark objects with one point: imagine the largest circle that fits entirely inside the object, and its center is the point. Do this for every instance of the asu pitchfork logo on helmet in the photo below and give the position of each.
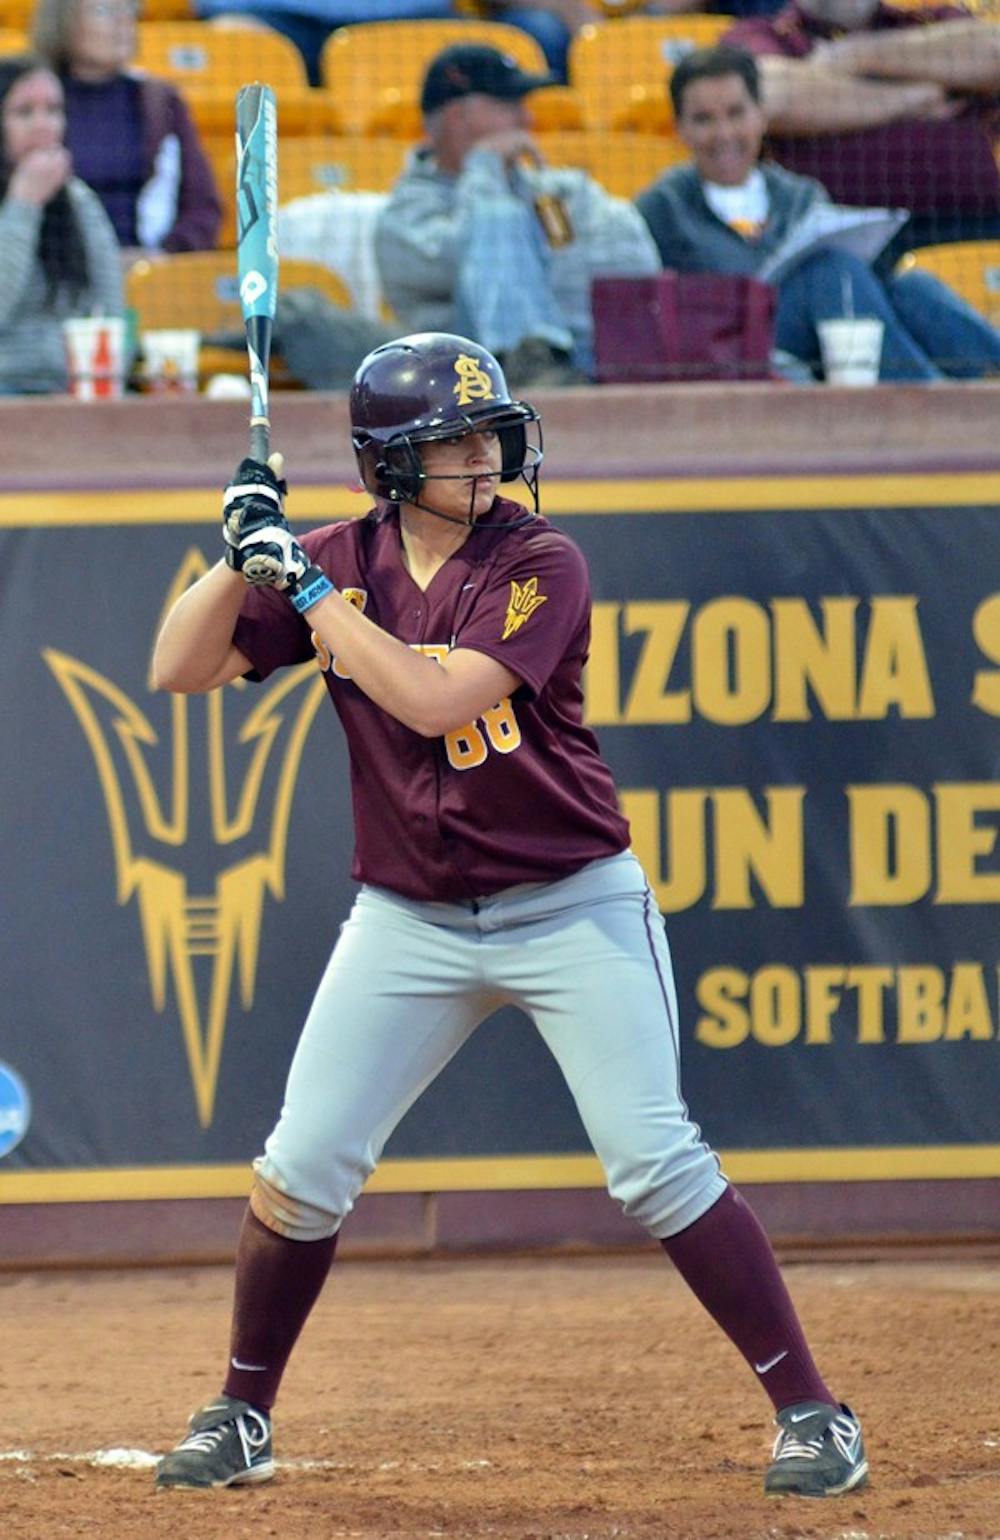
(435, 385)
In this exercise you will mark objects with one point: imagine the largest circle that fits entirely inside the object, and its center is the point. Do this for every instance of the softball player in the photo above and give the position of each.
(451, 626)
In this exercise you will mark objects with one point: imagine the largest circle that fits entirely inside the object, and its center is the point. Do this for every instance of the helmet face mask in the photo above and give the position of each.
(432, 386)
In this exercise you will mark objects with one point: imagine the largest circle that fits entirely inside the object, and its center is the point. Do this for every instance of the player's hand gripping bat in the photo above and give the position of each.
(258, 541)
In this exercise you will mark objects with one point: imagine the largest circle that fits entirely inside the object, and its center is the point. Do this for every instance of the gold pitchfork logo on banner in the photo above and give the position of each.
(178, 925)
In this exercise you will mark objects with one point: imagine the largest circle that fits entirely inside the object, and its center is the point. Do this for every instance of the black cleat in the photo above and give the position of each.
(819, 1452)
(228, 1444)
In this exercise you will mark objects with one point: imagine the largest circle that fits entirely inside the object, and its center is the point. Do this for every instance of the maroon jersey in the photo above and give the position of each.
(520, 795)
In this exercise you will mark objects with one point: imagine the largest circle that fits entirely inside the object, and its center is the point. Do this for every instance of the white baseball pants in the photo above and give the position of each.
(585, 957)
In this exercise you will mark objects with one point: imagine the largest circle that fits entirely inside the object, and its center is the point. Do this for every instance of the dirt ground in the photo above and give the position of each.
(523, 1399)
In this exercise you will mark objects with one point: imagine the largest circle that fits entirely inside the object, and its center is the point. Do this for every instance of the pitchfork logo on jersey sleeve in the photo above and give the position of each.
(523, 602)
(474, 384)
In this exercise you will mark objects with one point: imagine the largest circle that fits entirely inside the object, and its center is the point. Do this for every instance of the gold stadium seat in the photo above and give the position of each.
(17, 14)
(167, 10)
(555, 108)
(221, 151)
(625, 164)
(971, 268)
(644, 109)
(209, 63)
(375, 70)
(12, 41)
(347, 163)
(193, 54)
(609, 60)
(307, 164)
(200, 289)
(306, 111)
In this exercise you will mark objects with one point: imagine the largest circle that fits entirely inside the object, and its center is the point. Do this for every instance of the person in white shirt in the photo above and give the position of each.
(727, 212)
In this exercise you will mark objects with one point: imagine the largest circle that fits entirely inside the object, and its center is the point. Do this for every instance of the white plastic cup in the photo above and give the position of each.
(170, 361)
(851, 347)
(95, 357)
(228, 387)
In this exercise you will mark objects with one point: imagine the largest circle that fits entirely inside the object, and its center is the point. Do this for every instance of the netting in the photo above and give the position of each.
(908, 126)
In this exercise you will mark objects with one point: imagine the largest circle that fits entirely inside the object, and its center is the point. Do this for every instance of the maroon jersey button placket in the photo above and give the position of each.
(420, 615)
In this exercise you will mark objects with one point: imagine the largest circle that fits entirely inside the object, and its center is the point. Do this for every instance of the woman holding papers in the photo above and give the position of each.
(727, 213)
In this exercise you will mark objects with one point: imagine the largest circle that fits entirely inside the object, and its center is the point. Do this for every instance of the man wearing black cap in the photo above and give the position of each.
(479, 236)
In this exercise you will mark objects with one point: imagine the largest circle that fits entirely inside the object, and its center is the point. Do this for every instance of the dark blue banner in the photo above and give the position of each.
(801, 709)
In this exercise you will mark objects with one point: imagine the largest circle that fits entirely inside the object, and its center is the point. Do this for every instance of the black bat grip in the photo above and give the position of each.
(258, 329)
(260, 440)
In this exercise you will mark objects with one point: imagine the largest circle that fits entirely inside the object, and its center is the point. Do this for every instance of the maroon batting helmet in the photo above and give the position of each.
(434, 385)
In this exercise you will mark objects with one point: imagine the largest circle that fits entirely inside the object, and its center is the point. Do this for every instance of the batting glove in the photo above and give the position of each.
(272, 557)
(253, 501)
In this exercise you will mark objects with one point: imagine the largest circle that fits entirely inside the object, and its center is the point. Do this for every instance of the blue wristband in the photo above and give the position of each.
(312, 586)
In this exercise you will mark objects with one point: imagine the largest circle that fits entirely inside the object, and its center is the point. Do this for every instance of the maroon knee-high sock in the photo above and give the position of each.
(725, 1258)
(277, 1283)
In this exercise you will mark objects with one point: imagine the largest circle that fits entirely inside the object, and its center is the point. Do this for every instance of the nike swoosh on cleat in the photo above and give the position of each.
(801, 1416)
(771, 1362)
(254, 1368)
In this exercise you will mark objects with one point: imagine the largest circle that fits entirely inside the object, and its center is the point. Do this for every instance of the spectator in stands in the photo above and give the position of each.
(885, 107)
(309, 22)
(131, 136)
(481, 238)
(726, 213)
(58, 252)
